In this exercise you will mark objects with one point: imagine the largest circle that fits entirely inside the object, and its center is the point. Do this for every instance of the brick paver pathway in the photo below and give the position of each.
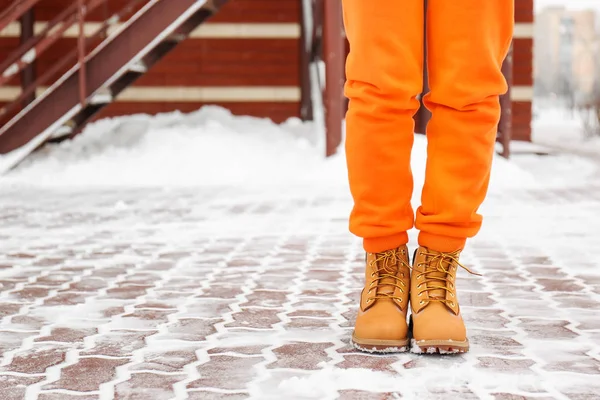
(229, 293)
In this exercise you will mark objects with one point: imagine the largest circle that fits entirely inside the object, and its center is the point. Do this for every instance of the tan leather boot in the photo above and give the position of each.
(437, 325)
(381, 322)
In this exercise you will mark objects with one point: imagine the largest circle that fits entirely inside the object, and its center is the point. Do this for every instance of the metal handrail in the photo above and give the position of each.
(39, 43)
(15, 11)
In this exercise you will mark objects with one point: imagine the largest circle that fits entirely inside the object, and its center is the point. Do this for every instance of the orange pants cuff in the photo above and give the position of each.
(441, 243)
(379, 244)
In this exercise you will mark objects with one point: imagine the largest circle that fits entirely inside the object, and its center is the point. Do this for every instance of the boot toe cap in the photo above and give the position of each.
(384, 321)
(444, 325)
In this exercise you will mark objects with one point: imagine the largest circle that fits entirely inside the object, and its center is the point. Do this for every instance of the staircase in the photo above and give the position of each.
(96, 77)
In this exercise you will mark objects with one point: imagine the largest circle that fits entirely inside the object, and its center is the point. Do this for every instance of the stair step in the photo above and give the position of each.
(64, 130)
(139, 67)
(176, 37)
(102, 97)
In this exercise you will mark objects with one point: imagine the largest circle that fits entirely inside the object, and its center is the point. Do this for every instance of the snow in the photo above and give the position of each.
(207, 147)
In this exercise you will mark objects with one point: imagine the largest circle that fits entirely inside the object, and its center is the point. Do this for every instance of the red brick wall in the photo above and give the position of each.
(249, 62)
(204, 62)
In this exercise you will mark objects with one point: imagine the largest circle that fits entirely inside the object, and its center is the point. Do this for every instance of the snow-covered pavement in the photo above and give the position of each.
(118, 282)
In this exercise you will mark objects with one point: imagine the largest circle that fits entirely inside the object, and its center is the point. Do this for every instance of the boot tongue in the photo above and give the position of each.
(435, 270)
(437, 293)
(391, 267)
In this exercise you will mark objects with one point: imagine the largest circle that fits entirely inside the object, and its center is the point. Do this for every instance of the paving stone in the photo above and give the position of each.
(37, 359)
(87, 374)
(499, 342)
(363, 395)
(266, 298)
(510, 396)
(255, 318)
(144, 386)
(226, 372)
(302, 356)
(117, 344)
(141, 319)
(66, 298)
(160, 291)
(166, 361)
(126, 292)
(485, 318)
(191, 329)
(309, 323)
(67, 335)
(24, 322)
(547, 329)
(14, 387)
(12, 340)
(373, 363)
(208, 395)
(507, 365)
(206, 308)
(247, 350)
(64, 396)
(31, 292)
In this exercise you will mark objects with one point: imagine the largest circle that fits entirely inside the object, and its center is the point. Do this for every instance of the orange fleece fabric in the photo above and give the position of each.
(467, 41)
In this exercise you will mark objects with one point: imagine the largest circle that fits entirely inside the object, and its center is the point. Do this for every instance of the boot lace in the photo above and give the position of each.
(438, 275)
(387, 274)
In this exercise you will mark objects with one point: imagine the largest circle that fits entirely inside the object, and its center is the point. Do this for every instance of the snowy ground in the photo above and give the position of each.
(559, 128)
(207, 257)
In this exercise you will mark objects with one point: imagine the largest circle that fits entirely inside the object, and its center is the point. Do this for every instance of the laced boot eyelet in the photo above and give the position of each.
(452, 304)
(421, 302)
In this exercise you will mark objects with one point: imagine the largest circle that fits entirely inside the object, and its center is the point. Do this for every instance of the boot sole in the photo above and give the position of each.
(380, 346)
(435, 346)
(438, 346)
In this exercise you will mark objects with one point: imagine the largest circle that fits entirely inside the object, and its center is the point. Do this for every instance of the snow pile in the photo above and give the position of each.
(207, 147)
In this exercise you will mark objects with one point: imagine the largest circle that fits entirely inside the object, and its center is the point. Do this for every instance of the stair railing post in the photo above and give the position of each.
(505, 126)
(333, 55)
(28, 75)
(81, 52)
(306, 59)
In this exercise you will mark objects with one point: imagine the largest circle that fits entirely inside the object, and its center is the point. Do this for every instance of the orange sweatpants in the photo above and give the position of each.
(467, 40)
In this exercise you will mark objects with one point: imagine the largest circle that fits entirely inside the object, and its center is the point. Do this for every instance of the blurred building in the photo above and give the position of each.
(566, 52)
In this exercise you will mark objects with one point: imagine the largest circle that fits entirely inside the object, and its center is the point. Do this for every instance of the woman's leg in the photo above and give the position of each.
(467, 42)
(384, 76)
